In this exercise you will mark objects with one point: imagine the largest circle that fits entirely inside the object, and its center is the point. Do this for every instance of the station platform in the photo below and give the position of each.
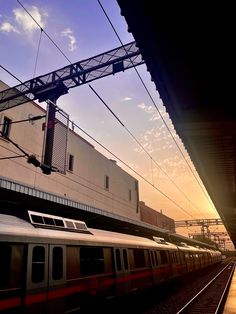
(230, 305)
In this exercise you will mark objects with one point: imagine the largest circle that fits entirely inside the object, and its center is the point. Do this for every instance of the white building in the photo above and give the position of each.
(90, 178)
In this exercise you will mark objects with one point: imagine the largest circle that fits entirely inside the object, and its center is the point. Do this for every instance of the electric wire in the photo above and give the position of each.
(42, 30)
(49, 37)
(141, 176)
(37, 54)
(132, 169)
(11, 74)
(121, 201)
(143, 148)
(12, 157)
(124, 163)
(144, 85)
(25, 120)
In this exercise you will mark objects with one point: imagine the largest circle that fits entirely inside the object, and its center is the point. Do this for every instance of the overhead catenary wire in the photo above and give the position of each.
(145, 87)
(118, 158)
(109, 151)
(11, 74)
(132, 169)
(49, 37)
(142, 147)
(12, 157)
(37, 54)
(25, 120)
(42, 30)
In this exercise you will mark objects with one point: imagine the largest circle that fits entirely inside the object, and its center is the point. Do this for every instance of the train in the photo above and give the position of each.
(52, 264)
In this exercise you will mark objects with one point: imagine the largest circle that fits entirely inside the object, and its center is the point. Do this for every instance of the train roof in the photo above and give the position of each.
(13, 229)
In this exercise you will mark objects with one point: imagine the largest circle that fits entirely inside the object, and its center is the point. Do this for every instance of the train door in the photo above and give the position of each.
(45, 279)
(12, 277)
(56, 279)
(154, 264)
(183, 262)
(122, 271)
(36, 279)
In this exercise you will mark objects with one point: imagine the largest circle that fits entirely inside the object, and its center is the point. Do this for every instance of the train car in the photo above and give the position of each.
(50, 264)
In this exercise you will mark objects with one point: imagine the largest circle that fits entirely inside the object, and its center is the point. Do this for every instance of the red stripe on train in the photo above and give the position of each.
(61, 292)
(8, 303)
(35, 298)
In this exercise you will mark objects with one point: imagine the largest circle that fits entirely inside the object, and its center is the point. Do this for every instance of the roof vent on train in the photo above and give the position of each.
(183, 244)
(57, 222)
(159, 240)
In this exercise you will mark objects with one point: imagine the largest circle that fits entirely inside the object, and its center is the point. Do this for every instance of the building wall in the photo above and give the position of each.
(86, 183)
(151, 216)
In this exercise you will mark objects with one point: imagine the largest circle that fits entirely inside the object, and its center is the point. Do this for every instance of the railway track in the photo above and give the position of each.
(209, 299)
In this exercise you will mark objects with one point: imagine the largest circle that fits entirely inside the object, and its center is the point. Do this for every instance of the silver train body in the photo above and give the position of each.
(51, 264)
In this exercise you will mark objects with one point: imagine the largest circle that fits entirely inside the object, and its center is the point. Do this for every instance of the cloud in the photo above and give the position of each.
(8, 27)
(72, 40)
(126, 98)
(22, 22)
(147, 109)
(26, 22)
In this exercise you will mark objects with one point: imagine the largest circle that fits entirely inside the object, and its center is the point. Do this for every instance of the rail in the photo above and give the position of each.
(209, 299)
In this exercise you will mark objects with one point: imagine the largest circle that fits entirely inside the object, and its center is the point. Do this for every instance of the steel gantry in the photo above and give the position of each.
(203, 223)
(51, 86)
(57, 83)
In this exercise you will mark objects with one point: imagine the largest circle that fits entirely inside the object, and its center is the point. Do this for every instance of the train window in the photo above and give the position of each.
(108, 258)
(152, 258)
(5, 265)
(38, 264)
(126, 266)
(139, 258)
(118, 260)
(11, 261)
(73, 262)
(57, 263)
(164, 259)
(182, 259)
(156, 257)
(91, 260)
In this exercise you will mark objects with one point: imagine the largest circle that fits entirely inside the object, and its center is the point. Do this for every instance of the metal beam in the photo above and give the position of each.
(198, 222)
(57, 83)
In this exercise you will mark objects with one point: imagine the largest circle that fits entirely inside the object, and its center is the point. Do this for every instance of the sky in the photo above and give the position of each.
(81, 30)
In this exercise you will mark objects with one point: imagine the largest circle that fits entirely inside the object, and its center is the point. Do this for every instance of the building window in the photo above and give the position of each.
(70, 162)
(130, 195)
(6, 127)
(106, 182)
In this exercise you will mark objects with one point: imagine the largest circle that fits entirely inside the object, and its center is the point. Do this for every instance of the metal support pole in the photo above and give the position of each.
(49, 137)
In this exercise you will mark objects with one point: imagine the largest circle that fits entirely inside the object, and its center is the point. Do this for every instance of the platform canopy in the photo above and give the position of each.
(188, 48)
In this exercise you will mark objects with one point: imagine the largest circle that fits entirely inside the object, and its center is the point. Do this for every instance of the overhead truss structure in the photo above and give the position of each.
(57, 83)
(198, 222)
